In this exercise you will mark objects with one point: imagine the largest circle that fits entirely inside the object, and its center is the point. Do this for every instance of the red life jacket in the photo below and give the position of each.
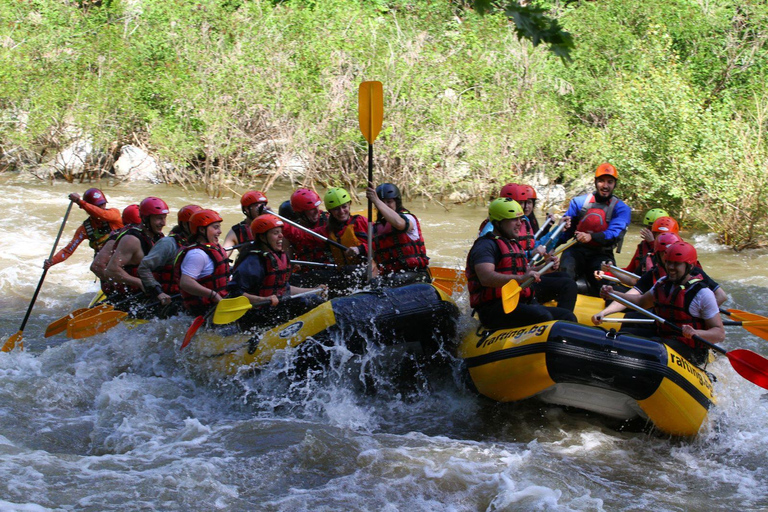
(525, 237)
(277, 272)
(594, 217)
(512, 262)
(133, 270)
(672, 303)
(642, 261)
(316, 253)
(395, 250)
(243, 231)
(164, 275)
(97, 235)
(217, 281)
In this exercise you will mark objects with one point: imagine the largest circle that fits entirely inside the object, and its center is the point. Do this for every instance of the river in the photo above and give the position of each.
(118, 422)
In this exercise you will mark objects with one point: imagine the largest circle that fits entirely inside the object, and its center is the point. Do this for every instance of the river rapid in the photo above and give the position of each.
(120, 422)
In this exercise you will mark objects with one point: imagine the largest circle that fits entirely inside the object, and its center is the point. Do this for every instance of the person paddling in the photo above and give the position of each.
(202, 268)
(399, 251)
(683, 299)
(156, 268)
(253, 204)
(133, 244)
(494, 260)
(263, 274)
(101, 222)
(601, 220)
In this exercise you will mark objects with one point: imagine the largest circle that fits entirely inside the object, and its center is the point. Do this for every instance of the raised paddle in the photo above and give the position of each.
(231, 310)
(748, 364)
(10, 344)
(510, 292)
(370, 109)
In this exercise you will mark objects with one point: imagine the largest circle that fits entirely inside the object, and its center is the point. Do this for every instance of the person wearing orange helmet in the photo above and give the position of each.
(682, 299)
(263, 276)
(156, 268)
(253, 204)
(101, 222)
(601, 220)
(134, 243)
(202, 268)
(101, 260)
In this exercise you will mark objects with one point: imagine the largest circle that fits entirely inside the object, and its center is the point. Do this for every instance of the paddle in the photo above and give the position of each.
(79, 328)
(748, 364)
(231, 310)
(60, 325)
(510, 292)
(627, 273)
(313, 233)
(549, 221)
(557, 252)
(10, 344)
(314, 264)
(370, 108)
(196, 323)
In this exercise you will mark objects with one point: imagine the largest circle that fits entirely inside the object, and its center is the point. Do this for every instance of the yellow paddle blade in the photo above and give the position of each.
(101, 308)
(229, 310)
(80, 327)
(98, 298)
(370, 102)
(510, 295)
(11, 343)
(60, 325)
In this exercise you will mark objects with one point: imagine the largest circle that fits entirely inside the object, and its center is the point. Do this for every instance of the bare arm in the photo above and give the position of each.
(128, 251)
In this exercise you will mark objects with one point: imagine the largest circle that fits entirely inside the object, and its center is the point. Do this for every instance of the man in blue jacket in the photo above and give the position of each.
(601, 219)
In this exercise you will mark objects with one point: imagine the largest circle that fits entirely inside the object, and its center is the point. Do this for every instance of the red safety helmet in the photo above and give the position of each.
(304, 200)
(186, 212)
(131, 215)
(531, 191)
(606, 169)
(664, 240)
(683, 252)
(95, 197)
(665, 225)
(153, 206)
(264, 223)
(202, 219)
(508, 190)
(517, 192)
(252, 197)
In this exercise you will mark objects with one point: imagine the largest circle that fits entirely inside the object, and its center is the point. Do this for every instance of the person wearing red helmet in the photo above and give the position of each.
(399, 249)
(601, 220)
(202, 268)
(305, 204)
(101, 260)
(101, 222)
(134, 243)
(156, 268)
(262, 275)
(253, 204)
(683, 299)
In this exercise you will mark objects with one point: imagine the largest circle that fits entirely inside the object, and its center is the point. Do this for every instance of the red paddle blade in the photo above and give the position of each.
(196, 323)
(750, 365)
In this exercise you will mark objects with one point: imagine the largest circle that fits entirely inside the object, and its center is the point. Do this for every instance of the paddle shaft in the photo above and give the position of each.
(370, 209)
(542, 228)
(558, 251)
(528, 282)
(627, 273)
(675, 327)
(309, 231)
(314, 264)
(45, 270)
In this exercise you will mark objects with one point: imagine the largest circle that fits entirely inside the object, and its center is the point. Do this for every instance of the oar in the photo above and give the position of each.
(314, 264)
(611, 279)
(313, 233)
(231, 310)
(10, 344)
(557, 251)
(619, 270)
(60, 325)
(549, 221)
(748, 364)
(510, 292)
(79, 328)
(370, 109)
(194, 326)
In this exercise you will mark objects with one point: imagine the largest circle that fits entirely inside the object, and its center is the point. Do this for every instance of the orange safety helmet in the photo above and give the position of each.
(519, 193)
(664, 240)
(202, 219)
(606, 169)
(95, 197)
(251, 197)
(665, 225)
(682, 252)
(131, 215)
(531, 192)
(264, 223)
(188, 211)
(304, 200)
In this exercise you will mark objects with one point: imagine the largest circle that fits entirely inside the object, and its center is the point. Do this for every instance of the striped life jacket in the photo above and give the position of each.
(97, 235)
(164, 274)
(511, 262)
(525, 237)
(316, 253)
(672, 303)
(277, 272)
(133, 270)
(217, 281)
(243, 231)
(395, 250)
(349, 235)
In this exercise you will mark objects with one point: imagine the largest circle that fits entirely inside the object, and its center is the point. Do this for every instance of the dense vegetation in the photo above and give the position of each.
(670, 91)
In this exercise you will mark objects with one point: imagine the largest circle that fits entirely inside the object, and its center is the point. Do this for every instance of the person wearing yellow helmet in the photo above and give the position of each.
(497, 258)
(601, 220)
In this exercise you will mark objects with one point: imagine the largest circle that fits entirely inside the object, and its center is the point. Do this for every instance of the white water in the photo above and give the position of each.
(118, 422)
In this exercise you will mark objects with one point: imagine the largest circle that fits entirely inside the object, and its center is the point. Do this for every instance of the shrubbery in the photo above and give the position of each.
(670, 92)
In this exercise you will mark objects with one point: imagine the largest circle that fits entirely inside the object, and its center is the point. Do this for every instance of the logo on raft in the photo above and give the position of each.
(486, 339)
(291, 330)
